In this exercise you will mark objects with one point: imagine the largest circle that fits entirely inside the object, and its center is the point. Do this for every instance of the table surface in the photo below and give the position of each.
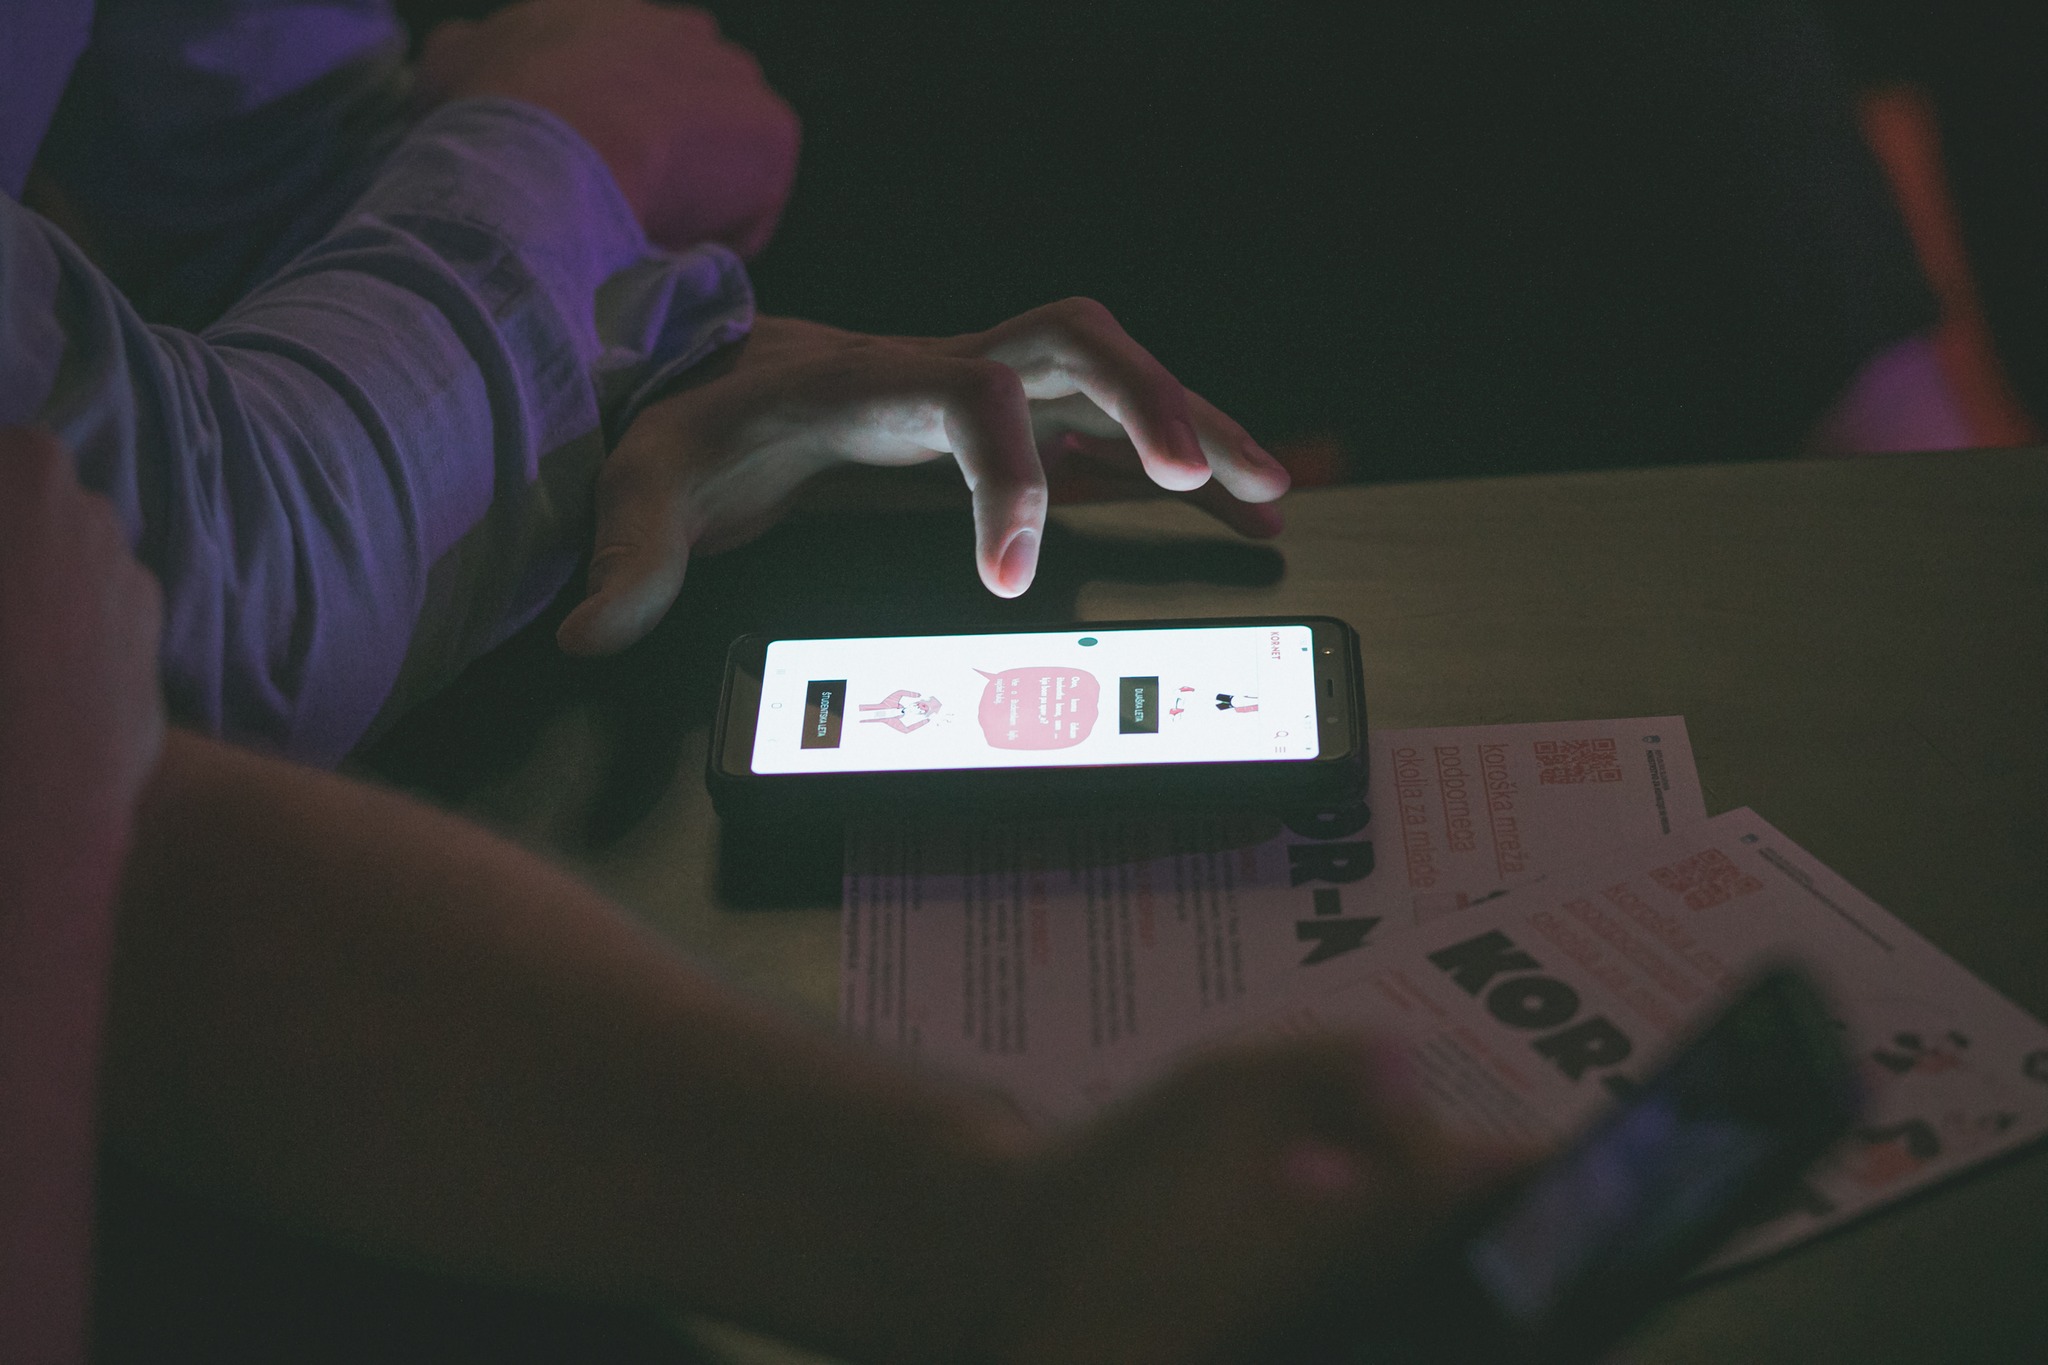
(1859, 648)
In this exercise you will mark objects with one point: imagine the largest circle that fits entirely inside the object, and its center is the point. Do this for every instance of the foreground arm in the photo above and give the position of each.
(366, 1018)
(80, 722)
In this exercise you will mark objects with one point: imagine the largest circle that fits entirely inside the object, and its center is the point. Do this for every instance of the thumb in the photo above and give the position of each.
(636, 570)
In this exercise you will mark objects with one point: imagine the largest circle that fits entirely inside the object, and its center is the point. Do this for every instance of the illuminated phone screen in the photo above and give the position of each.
(1186, 694)
(1647, 1182)
(1667, 1167)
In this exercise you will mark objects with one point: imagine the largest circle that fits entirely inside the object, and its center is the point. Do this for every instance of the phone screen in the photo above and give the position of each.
(1642, 1187)
(1041, 699)
(1751, 1101)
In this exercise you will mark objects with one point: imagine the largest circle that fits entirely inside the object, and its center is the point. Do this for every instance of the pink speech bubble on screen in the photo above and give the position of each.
(1039, 708)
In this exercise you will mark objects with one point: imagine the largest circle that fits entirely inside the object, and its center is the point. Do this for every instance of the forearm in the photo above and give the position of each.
(379, 464)
(367, 1018)
(56, 890)
(80, 728)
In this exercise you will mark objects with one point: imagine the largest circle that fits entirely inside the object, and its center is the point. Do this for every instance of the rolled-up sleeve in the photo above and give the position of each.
(380, 463)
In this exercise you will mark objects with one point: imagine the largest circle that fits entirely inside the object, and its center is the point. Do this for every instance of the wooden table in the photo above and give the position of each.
(1860, 649)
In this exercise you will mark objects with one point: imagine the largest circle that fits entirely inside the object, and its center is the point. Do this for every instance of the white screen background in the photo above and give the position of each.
(1042, 699)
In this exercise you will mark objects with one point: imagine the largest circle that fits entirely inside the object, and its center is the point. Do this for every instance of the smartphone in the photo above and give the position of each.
(1243, 714)
(1560, 1268)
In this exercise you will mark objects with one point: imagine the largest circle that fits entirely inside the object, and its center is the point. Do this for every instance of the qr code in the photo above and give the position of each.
(1578, 760)
(1705, 880)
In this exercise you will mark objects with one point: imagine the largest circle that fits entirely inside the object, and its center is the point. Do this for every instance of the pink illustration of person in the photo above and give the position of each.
(1238, 703)
(900, 704)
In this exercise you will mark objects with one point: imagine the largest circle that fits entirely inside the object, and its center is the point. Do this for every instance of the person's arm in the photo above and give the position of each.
(200, 147)
(370, 1019)
(43, 40)
(80, 722)
(700, 145)
(377, 465)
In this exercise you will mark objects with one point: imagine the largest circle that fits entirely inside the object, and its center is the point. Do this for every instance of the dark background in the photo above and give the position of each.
(1986, 64)
(1462, 238)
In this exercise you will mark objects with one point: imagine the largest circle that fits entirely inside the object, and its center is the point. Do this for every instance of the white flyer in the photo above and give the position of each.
(1031, 955)
(1521, 1014)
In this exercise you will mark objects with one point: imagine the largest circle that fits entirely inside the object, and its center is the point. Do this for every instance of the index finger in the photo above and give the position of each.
(988, 428)
(904, 406)
(1077, 347)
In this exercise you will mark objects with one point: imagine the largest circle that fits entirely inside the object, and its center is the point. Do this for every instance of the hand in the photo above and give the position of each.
(712, 466)
(81, 717)
(1208, 1219)
(702, 149)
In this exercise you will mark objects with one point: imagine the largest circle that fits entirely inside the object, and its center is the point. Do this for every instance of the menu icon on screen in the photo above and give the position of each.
(824, 702)
(1137, 706)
